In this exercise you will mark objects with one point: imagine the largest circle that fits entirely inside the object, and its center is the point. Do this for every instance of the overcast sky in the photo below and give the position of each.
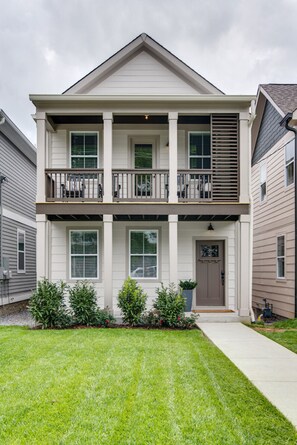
(47, 45)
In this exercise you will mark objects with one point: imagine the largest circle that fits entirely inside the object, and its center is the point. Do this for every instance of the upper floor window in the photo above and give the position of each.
(263, 179)
(84, 149)
(289, 162)
(143, 253)
(199, 150)
(84, 254)
(280, 256)
(21, 251)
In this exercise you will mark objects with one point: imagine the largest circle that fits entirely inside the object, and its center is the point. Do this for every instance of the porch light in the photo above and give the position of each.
(146, 116)
(210, 227)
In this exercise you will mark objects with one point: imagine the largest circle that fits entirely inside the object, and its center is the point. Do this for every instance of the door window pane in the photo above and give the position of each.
(143, 156)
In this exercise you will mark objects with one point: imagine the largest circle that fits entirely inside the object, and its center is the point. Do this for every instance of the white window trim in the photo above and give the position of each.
(262, 166)
(288, 163)
(198, 132)
(72, 255)
(90, 156)
(154, 255)
(281, 256)
(19, 232)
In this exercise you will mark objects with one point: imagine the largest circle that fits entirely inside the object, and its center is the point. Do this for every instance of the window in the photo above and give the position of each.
(263, 191)
(280, 256)
(289, 162)
(84, 149)
(84, 257)
(143, 253)
(21, 251)
(199, 150)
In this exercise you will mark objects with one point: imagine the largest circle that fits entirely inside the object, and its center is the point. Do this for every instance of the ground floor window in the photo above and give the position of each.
(21, 251)
(84, 254)
(143, 253)
(280, 256)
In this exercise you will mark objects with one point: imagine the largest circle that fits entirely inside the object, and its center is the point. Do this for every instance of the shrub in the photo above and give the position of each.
(170, 305)
(104, 318)
(47, 305)
(83, 302)
(153, 319)
(131, 301)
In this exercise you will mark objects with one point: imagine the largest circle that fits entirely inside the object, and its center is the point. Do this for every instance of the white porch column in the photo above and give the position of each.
(41, 157)
(244, 288)
(173, 247)
(107, 261)
(245, 157)
(172, 117)
(107, 157)
(42, 247)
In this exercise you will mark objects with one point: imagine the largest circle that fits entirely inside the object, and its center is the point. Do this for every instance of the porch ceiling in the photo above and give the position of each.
(147, 119)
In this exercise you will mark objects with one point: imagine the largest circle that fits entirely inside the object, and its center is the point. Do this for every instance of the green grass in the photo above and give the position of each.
(285, 333)
(124, 386)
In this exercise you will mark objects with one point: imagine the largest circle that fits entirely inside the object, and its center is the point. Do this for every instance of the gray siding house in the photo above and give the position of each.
(273, 192)
(17, 213)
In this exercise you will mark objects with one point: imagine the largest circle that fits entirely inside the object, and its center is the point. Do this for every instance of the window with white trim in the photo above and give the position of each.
(280, 256)
(143, 253)
(84, 254)
(289, 162)
(21, 251)
(263, 179)
(199, 150)
(84, 149)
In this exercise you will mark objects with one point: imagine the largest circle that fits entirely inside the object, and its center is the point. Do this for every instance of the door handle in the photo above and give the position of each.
(223, 278)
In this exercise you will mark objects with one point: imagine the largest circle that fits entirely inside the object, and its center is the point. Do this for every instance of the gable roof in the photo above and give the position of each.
(282, 97)
(143, 43)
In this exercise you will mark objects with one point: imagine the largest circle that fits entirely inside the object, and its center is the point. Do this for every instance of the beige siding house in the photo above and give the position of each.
(137, 162)
(273, 191)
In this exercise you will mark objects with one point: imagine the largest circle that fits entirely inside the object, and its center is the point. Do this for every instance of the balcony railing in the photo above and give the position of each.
(127, 185)
(74, 185)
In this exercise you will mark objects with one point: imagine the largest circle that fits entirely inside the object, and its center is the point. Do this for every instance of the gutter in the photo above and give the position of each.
(285, 123)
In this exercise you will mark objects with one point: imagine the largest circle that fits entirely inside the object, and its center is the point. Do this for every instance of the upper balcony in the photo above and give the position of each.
(86, 185)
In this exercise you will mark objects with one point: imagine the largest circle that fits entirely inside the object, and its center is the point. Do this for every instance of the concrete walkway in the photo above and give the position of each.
(269, 366)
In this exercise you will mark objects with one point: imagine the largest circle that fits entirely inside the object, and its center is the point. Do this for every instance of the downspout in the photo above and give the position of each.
(285, 122)
(2, 120)
(252, 118)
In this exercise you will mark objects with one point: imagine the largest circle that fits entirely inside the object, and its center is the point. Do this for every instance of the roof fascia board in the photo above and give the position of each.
(268, 97)
(17, 138)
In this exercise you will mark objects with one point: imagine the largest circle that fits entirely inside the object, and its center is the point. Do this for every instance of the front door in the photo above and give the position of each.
(210, 273)
(143, 160)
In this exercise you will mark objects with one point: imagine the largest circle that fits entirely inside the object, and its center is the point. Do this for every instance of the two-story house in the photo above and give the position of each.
(273, 190)
(143, 170)
(17, 213)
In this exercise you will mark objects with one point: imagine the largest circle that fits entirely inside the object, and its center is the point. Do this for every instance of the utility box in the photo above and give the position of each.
(5, 273)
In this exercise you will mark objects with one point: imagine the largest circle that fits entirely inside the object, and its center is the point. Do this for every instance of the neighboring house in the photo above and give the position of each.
(273, 193)
(17, 213)
(137, 162)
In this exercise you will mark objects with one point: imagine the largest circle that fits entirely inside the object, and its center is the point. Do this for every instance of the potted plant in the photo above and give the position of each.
(187, 287)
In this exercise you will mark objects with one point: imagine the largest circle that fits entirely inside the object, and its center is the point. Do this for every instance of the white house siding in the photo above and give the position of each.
(273, 217)
(122, 134)
(143, 74)
(188, 233)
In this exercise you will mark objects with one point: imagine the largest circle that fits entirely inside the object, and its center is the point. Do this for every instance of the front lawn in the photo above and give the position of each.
(128, 386)
(283, 332)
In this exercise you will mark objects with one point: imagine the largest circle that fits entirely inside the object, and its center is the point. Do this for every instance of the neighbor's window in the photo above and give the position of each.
(21, 251)
(143, 253)
(84, 254)
(199, 150)
(263, 178)
(289, 160)
(280, 256)
(84, 149)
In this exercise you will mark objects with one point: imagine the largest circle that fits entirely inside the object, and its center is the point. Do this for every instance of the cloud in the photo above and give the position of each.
(46, 46)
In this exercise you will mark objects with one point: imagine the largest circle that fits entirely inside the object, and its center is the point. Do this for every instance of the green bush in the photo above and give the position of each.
(83, 302)
(131, 301)
(170, 305)
(104, 318)
(47, 305)
(187, 284)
